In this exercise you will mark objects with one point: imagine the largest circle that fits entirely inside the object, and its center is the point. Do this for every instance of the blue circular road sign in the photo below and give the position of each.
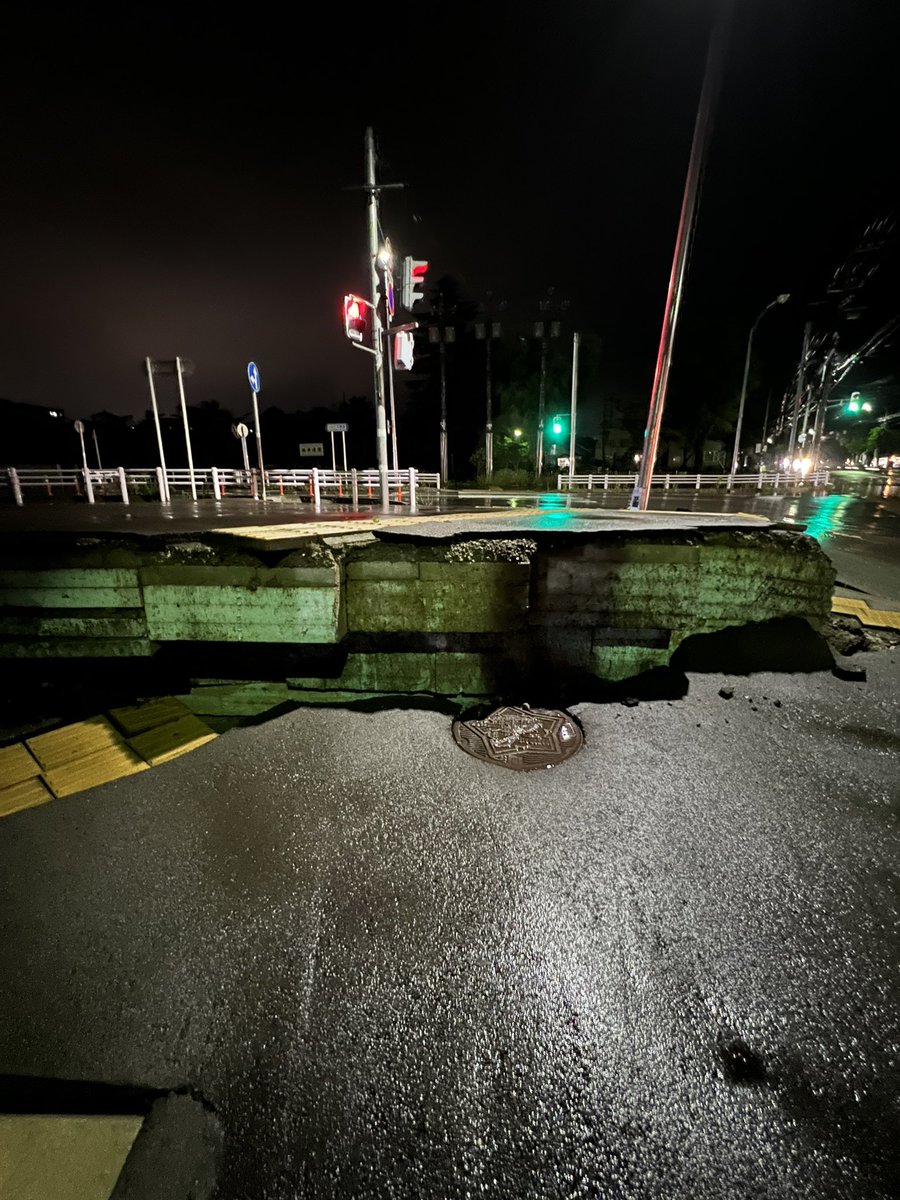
(253, 375)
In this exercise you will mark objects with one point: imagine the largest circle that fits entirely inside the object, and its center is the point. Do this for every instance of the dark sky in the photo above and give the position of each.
(174, 179)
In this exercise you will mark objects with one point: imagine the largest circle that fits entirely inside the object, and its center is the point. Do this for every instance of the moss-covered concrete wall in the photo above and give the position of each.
(608, 604)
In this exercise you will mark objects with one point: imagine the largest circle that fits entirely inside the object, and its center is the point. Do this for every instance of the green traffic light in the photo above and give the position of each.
(557, 427)
(853, 406)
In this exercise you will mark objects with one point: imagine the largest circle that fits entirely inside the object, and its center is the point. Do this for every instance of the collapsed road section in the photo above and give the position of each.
(480, 607)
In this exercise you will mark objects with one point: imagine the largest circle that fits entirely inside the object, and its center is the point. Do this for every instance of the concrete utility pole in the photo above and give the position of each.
(711, 79)
(576, 338)
(489, 415)
(539, 449)
(801, 390)
(440, 334)
(377, 334)
(486, 330)
(824, 393)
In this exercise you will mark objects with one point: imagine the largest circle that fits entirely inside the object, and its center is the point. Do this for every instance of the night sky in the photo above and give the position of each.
(176, 181)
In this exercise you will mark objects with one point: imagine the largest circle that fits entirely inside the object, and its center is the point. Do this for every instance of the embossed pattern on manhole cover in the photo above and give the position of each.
(524, 739)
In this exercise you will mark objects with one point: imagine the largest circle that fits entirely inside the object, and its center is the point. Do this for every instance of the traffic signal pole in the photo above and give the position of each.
(377, 335)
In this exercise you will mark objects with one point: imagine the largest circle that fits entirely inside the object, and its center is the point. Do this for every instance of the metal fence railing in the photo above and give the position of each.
(402, 487)
(757, 481)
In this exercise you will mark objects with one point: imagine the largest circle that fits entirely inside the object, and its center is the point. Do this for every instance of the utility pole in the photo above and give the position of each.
(377, 335)
(442, 334)
(542, 387)
(488, 417)
(801, 389)
(825, 392)
(486, 331)
(712, 76)
(765, 424)
(572, 415)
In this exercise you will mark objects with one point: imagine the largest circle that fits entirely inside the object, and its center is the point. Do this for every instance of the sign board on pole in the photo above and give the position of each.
(162, 366)
(253, 376)
(79, 426)
(240, 430)
(312, 449)
(337, 428)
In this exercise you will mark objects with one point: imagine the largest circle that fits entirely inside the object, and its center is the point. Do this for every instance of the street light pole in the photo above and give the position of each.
(781, 299)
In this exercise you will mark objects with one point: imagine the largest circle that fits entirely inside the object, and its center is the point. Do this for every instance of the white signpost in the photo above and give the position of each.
(241, 432)
(79, 429)
(253, 376)
(342, 429)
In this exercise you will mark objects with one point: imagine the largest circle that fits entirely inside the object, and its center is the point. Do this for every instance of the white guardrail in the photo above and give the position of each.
(217, 482)
(746, 482)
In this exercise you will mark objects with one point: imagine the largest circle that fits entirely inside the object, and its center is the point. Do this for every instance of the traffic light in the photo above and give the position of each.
(414, 271)
(356, 318)
(856, 404)
(557, 425)
(404, 350)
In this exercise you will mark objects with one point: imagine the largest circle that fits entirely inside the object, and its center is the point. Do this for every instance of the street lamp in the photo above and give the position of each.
(781, 299)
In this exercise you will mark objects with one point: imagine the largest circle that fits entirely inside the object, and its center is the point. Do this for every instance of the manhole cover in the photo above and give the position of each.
(524, 739)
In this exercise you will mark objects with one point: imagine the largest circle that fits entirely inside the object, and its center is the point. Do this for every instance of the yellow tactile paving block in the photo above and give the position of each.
(138, 718)
(27, 793)
(168, 741)
(877, 618)
(103, 766)
(88, 753)
(17, 765)
(63, 1157)
(75, 741)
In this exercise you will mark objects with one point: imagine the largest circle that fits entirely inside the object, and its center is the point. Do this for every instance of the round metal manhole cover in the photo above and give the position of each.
(523, 739)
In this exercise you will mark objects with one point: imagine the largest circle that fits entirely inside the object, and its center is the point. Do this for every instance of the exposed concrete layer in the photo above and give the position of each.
(610, 602)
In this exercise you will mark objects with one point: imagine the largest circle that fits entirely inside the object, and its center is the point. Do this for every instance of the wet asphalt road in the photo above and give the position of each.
(667, 968)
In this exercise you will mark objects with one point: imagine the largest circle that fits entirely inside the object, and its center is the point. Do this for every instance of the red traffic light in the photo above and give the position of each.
(414, 272)
(356, 318)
